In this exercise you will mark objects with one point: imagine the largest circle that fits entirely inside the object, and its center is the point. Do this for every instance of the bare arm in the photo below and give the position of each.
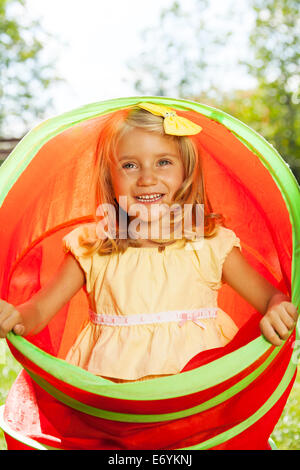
(32, 316)
(279, 314)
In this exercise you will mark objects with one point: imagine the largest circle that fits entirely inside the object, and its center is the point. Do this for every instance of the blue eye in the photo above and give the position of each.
(165, 161)
(126, 165)
(129, 166)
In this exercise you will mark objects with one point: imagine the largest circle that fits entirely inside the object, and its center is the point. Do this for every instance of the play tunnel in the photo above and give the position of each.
(224, 398)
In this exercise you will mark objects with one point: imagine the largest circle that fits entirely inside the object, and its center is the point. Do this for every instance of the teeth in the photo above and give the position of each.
(150, 197)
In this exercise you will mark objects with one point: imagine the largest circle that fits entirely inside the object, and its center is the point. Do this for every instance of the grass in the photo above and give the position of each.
(286, 434)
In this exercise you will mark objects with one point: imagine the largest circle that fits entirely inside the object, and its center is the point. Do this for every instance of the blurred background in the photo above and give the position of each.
(241, 57)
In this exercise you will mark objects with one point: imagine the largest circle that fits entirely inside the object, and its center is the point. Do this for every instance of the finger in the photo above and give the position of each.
(292, 311)
(269, 332)
(281, 320)
(19, 329)
(3, 303)
(287, 319)
(11, 320)
(280, 328)
(5, 310)
(4, 325)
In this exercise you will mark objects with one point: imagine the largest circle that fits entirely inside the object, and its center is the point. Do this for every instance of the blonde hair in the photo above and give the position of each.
(192, 190)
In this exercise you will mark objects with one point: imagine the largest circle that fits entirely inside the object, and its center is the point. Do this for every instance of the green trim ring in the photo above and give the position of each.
(37, 446)
(174, 386)
(150, 418)
(230, 433)
(25, 151)
(238, 429)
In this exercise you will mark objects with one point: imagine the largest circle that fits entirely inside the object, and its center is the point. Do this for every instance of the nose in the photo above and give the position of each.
(146, 177)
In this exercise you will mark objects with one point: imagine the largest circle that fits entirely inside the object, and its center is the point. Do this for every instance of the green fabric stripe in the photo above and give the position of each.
(173, 386)
(139, 418)
(230, 433)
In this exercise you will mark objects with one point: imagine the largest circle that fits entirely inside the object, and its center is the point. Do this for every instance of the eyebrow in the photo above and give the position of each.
(158, 155)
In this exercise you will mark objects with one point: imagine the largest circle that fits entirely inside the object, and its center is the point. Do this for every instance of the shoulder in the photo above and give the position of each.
(72, 242)
(222, 243)
(88, 229)
(209, 254)
(220, 240)
(84, 232)
(223, 238)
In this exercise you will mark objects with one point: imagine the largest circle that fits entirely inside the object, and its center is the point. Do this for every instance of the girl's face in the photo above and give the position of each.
(148, 164)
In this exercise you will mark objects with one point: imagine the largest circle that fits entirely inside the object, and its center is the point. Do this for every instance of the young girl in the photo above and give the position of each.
(152, 298)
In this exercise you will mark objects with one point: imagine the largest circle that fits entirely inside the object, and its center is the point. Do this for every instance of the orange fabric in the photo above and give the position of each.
(54, 192)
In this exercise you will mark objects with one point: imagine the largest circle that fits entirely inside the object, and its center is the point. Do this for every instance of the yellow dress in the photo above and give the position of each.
(144, 280)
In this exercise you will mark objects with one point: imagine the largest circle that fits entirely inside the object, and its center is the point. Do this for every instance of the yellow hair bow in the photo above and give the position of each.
(173, 124)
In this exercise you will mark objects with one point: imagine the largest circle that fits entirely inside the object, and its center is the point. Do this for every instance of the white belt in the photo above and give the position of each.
(147, 318)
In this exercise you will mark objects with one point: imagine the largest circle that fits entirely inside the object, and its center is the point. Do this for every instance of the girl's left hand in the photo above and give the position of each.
(278, 322)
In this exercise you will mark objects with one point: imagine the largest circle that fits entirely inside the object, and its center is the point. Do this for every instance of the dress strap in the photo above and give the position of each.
(161, 317)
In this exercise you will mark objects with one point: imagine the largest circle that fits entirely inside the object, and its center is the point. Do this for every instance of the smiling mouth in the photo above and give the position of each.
(148, 199)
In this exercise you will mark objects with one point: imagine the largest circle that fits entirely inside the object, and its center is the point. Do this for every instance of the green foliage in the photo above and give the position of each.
(25, 73)
(275, 41)
(286, 434)
(272, 108)
(251, 107)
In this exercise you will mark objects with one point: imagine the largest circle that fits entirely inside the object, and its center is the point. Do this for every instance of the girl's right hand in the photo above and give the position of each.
(33, 315)
(10, 319)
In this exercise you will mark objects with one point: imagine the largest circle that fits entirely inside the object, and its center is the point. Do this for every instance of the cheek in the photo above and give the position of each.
(120, 185)
(176, 179)
(116, 181)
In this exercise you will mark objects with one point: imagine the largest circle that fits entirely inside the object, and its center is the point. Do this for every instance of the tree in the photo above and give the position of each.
(180, 52)
(272, 107)
(275, 43)
(24, 73)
